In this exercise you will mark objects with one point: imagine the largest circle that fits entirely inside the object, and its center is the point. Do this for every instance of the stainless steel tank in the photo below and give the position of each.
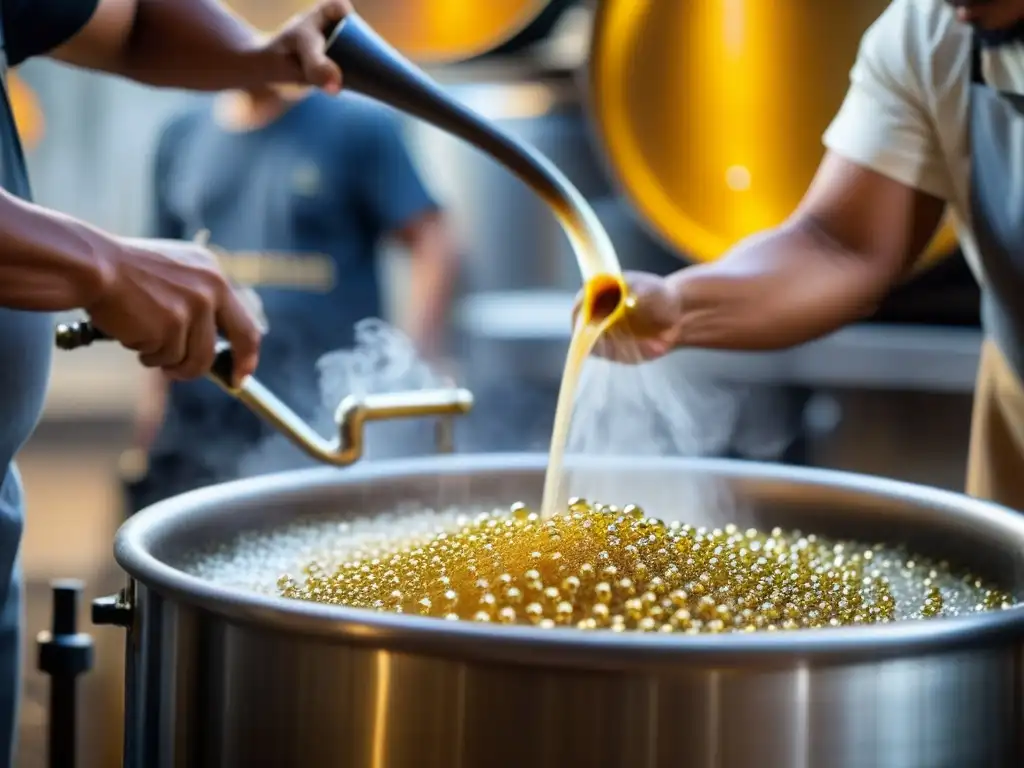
(219, 678)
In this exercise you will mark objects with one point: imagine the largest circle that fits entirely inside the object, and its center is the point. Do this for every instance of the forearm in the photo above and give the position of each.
(779, 289)
(49, 262)
(199, 45)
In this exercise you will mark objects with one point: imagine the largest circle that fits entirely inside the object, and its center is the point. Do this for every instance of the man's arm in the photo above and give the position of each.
(50, 262)
(855, 235)
(198, 44)
(876, 201)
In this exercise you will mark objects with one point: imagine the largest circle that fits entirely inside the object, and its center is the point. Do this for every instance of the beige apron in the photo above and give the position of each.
(996, 463)
(995, 467)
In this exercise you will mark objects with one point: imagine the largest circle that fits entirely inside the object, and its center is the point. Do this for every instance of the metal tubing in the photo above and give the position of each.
(350, 417)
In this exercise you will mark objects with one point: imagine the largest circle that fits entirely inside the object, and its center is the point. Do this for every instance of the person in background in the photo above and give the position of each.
(933, 118)
(298, 190)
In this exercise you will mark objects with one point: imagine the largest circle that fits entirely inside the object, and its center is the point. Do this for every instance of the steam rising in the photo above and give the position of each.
(383, 360)
(658, 408)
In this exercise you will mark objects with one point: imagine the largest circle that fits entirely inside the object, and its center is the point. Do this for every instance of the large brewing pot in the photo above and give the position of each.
(220, 678)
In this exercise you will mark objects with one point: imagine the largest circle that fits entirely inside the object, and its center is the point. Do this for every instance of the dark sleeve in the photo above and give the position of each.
(390, 186)
(162, 222)
(35, 27)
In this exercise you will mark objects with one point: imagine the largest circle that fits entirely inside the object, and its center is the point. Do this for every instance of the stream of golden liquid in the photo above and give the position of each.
(604, 302)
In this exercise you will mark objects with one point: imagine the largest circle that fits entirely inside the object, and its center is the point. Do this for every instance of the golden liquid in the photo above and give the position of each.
(599, 567)
(604, 302)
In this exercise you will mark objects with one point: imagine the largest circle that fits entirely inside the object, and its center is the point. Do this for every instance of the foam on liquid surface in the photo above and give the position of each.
(594, 567)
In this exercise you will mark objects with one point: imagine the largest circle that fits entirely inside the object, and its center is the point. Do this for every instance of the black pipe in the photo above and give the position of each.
(64, 654)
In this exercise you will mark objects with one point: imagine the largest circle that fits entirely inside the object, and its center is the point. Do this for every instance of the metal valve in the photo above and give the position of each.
(64, 654)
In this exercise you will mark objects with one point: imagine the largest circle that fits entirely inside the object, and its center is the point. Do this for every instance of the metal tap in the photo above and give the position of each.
(350, 417)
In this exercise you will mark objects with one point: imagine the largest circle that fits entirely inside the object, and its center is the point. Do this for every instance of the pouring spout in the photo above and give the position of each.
(375, 69)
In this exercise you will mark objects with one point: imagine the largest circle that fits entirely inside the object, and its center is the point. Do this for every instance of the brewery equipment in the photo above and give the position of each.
(220, 676)
(434, 31)
(350, 418)
(511, 240)
(706, 127)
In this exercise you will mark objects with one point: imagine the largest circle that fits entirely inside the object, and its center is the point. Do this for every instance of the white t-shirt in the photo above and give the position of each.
(906, 112)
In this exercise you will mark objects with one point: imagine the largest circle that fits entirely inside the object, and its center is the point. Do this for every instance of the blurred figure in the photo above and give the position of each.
(297, 190)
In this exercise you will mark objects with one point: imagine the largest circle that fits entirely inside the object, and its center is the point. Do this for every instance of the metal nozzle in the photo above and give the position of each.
(351, 417)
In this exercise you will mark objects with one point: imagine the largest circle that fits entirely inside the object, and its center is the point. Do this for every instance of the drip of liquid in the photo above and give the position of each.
(604, 302)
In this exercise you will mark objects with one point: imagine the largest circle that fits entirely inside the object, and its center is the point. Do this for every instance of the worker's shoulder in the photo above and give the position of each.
(357, 112)
(934, 28)
(922, 37)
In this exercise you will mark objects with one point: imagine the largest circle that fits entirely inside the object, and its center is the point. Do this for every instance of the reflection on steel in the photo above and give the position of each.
(706, 128)
(219, 677)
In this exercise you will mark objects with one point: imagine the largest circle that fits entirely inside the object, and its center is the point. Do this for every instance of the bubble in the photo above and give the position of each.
(495, 566)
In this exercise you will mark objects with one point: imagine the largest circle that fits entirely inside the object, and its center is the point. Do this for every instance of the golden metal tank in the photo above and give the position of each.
(711, 113)
(427, 31)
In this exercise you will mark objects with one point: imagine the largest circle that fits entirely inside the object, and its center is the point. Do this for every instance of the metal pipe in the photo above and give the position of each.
(350, 416)
(374, 68)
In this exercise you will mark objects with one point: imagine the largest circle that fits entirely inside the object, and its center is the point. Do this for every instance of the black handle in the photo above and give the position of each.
(78, 334)
(64, 654)
(372, 67)
(82, 333)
